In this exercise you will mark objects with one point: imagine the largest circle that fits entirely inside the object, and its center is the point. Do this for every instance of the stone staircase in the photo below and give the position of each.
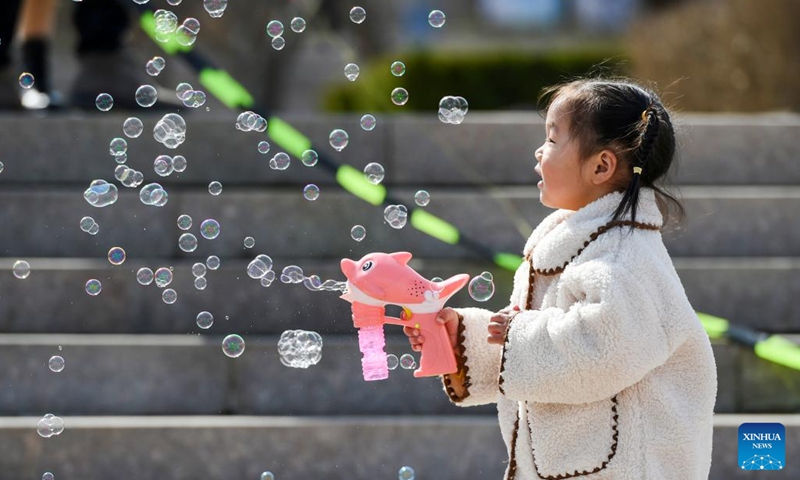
(147, 394)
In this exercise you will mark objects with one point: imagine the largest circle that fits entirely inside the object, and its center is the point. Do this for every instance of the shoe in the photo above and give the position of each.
(119, 75)
(9, 98)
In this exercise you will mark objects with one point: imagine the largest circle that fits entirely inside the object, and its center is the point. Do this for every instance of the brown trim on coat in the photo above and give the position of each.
(463, 368)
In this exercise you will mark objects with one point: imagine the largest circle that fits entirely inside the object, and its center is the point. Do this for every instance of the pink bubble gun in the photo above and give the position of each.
(381, 279)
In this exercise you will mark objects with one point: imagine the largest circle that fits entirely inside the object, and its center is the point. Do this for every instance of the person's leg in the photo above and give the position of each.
(101, 25)
(8, 21)
(36, 31)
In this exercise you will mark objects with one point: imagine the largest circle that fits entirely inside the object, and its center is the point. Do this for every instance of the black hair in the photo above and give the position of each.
(630, 120)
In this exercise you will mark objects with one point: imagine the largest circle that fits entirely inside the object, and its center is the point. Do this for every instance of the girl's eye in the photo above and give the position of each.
(550, 141)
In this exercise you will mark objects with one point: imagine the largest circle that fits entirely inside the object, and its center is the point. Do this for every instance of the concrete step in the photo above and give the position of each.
(44, 222)
(754, 292)
(415, 150)
(298, 448)
(190, 375)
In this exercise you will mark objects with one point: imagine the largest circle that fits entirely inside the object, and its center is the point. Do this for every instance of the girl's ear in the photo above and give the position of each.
(604, 166)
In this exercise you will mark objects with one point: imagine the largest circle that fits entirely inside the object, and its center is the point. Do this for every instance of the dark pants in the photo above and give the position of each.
(101, 25)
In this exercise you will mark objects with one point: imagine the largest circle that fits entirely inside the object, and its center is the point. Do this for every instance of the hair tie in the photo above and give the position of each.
(637, 170)
(644, 114)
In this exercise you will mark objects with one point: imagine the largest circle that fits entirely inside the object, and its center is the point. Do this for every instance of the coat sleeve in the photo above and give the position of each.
(479, 362)
(608, 339)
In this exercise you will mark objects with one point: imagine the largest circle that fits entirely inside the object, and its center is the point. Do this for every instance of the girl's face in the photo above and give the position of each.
(562, 184)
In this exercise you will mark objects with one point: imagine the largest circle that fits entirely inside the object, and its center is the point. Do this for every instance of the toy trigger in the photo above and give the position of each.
(406, 314)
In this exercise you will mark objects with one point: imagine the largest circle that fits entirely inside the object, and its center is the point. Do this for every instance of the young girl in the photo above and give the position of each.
(599, 366)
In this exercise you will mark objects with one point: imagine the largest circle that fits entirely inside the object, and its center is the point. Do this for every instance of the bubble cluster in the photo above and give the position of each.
(406, 473)
(166, 24)
(170, 131)
(251, 121)
(128, 176)
(358, 233)
(155, 65)
(453, 109)
(94, 287)
(21, 269)
(311, 192)
(368, 122)
(146, 96)
(186, 33)
(104, 102)
(153, 194)
(144, 276)
(233, 345)
(194, 98)
(210, 230)
(215, 8)
(89, 226)
(422, 198)
(396, 216)
(260, 268)
(399, 96)
(280, 161)
(101, 193)
(309, 158)
(351, 71)
(116, 255)
(398, 68)
(374, 172)
(50, 425)
(300, 348)
(339, 139)
(292, 274)
(298, 25)
(205, 320)
(358, 15)
(436, 19)
(132, 127)
(56, 363)
(407, 361)
(481, 287)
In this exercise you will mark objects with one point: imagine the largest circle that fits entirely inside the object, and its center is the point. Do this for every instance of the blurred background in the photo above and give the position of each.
(146, 392)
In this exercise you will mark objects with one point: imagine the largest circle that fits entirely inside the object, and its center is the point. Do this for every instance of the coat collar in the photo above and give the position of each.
(562, 233)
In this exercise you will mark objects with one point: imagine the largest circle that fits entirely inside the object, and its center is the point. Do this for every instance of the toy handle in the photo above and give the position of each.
(437, 356)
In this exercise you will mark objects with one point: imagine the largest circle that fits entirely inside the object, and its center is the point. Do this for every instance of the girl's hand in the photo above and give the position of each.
(448, 317)
(498, 325)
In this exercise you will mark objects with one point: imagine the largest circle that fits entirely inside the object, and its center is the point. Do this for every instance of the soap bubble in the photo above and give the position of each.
(163, 277)
(205, 320)
(146, 96)
(104, 102)
(266, 259)
(94, 287)
(311, 192)
(275, 28)
(116, 256)
(405, 473)
(184, 36)
(117, 146)
(358, 14)
(170, 131)
(358, 233)
(256, 269)
(215, 188)
(212, 262)
(436, 18)
(184, 222)
(453, 109)
(155, 65)
(215, 8)
(95, 228)
(194, 99)
(179, 163)
(263, 147)
(407, 361)
(169, 296)
(399, 96)
(396, 215)
(86, 223)
(267, 476)
(210, 229)
(481, 287)
(101, 193)
(183, 90)
(192, 25)
(48, 476)
(132, 127)
(391, 361)
(249, 242)
(298, 25)
(309, 158)
(368, 122)
(199, 269)
(300, 348)
(187, 242)
(292, 274)
(159, 197)
(339, 139)
(374, 172)
(422, 198)
(56, 363)
(21, 269)
(26, 80)
(200, 283)
(398, 69)
(50, 425)
(280, 161)
(146, 193)
(144, 276)
(247, 121)
(233, 345)
(278, 43)
(351, 71)
(162, 165)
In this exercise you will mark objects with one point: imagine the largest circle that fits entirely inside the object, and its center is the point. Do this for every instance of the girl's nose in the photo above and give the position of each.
(538, 154)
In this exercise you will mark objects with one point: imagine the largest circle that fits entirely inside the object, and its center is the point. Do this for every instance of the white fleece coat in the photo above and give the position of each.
(611, 374)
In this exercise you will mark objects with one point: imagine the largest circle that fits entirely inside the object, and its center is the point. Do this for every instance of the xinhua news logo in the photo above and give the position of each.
(762, 446)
